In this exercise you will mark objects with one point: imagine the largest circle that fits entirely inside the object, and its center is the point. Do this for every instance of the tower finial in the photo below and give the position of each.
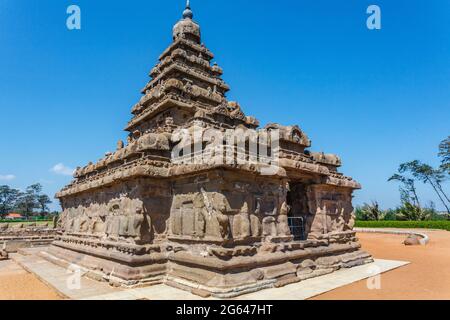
(187, 13)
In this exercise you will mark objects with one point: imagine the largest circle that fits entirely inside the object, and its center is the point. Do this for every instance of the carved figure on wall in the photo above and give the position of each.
(351, 222)
(223, 220)
(241, 223)
(317, 222)
(269, 227)
(82, 224)
(112, 222)
(255, 223)
(134, 225)
(200, 223)
(283, 224)
(338, 224)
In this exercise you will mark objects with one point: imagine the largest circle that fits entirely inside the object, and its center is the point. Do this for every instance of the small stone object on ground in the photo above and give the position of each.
(412, 240)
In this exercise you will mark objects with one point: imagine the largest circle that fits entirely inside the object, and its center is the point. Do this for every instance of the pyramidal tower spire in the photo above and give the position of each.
(184, 86)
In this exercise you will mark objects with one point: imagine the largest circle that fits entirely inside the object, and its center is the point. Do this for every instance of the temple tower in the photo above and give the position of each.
(141, 215)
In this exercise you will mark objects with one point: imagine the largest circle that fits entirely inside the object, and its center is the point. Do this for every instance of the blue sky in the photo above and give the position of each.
(376, 98)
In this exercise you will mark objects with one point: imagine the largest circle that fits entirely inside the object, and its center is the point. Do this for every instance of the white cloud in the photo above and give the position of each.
(7, 177)
(61, 169)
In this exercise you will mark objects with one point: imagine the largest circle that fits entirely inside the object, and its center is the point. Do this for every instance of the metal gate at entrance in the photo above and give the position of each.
(297, 226)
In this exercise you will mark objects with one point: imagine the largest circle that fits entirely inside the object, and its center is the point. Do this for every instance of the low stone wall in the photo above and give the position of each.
(14, 237)
(424, 239)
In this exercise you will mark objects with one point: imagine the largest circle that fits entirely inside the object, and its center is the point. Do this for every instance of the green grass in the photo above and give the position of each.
(443, 225)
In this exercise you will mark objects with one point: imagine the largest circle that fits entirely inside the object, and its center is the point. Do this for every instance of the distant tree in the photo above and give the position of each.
(43, 201)
(35, 188)
(428, 175)
(28, 200)
(408, 191)
(444, 154)
(370, 212)
(439, 177)
(8, 199)
(411, 212)
(390, 215)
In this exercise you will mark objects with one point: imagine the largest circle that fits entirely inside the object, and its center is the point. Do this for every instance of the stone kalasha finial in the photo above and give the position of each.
(187, 13)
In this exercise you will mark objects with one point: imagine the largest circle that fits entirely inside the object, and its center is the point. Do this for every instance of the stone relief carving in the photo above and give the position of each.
(283, 225)
(114, 219)
(241, 224)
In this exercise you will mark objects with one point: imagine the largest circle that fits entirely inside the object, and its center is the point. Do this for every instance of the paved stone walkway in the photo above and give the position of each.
(60, 278)
(312, 287)
(57, 277)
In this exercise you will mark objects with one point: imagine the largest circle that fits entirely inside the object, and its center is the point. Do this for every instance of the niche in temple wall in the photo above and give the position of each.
(200, 215)
(332, 206)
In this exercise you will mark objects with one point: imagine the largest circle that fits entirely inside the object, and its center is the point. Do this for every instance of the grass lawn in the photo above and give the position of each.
(443, 225)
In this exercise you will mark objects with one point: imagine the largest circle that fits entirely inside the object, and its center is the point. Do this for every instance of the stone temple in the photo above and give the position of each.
(140, 216)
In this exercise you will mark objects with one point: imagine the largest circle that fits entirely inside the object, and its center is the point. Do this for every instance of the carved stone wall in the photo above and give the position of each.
(135, 211)
(224, 208)
(331, 209)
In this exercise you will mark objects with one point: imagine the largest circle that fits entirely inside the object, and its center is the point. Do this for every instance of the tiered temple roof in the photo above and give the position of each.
(185, 86)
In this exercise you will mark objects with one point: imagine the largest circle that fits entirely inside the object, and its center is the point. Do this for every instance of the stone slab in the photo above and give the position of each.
(60, 278)
(312, 287)
(56, 277)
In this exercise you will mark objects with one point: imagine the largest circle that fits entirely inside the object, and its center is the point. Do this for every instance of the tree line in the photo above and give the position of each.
(408, 175)
(31, 202)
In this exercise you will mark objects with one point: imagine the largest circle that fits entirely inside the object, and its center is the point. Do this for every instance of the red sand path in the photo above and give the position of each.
(427, 277)
(17, 284)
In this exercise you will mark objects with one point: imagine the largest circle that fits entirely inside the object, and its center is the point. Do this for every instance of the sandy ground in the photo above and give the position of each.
(17, 284)
(427, 277)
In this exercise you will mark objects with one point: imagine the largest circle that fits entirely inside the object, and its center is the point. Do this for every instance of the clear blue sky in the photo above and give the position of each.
(376, 98)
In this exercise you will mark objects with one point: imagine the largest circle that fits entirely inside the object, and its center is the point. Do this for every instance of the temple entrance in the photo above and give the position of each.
(298, 201)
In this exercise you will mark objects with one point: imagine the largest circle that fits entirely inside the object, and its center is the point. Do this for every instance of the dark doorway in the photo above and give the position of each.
(298, 201)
